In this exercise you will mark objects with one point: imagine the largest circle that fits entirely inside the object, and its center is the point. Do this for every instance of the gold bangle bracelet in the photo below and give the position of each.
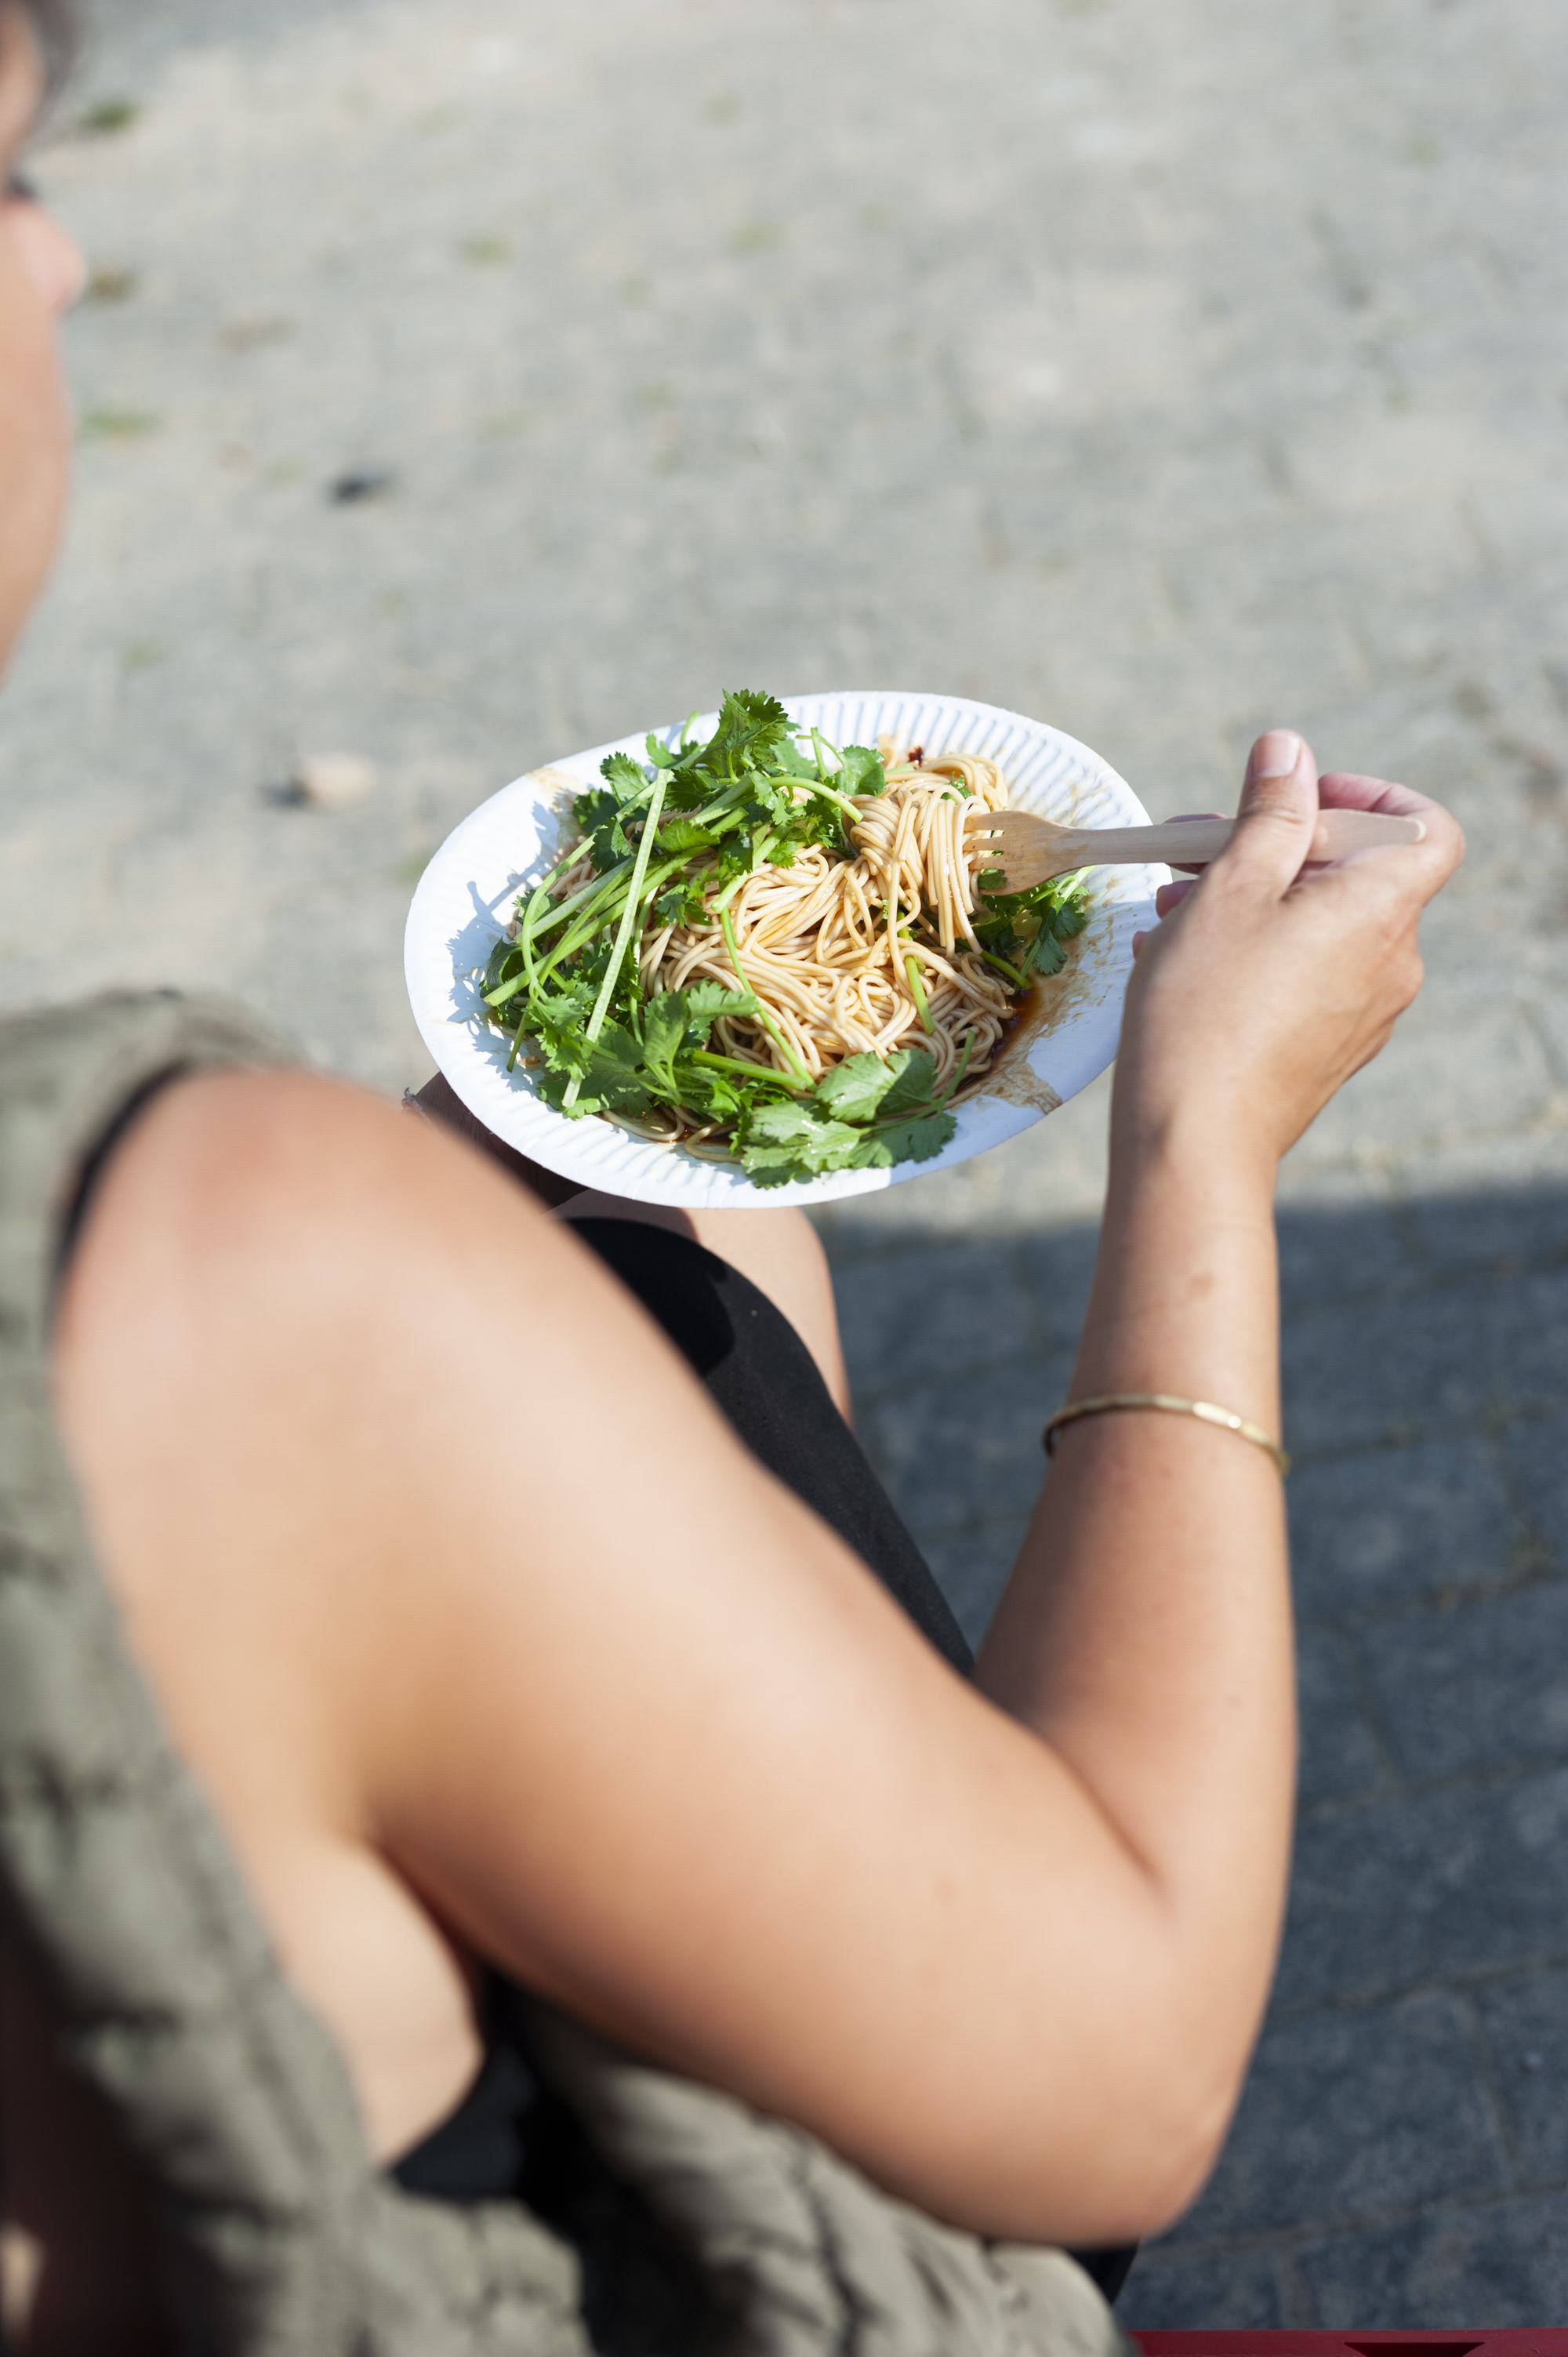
(1205, 1411)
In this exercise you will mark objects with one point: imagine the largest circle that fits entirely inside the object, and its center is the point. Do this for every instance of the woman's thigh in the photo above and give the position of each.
(779, 1250)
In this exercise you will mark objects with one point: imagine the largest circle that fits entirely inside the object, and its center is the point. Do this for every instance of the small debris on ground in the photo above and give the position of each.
(118, 425)
(109, 284)
(329, 781)
(106, 116)
(362, 483)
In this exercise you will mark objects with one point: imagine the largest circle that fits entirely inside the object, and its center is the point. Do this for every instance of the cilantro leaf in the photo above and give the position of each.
(812, 1142)
(623, 776)
(915, 1083)
(861, 770)
(663, 1037)
(794, 1141)
(611, 1081)
(853, 1089)
(1028, 927)
(713, 1094)
(684, 834)
(692, 783)
(781, 1125)
(505, 963)
(750, 726)
(707, 1001)
(865, 1087)
(770, 1166)
(770, 799)
(787, 756)
(822, 822)
(599, 816)
(833, 1131)
(557, 1023)
(681, 904)
(907, 1141)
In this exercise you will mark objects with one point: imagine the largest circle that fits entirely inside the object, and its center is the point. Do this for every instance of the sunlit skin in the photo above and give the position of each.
(41, 275)
(611, 1709)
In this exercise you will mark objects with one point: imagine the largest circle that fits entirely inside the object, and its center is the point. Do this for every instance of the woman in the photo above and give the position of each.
(494, 1650)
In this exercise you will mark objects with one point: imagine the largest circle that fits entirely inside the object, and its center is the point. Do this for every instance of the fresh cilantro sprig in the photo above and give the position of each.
(621, 1071)
(1026, 933)
(868, 1113)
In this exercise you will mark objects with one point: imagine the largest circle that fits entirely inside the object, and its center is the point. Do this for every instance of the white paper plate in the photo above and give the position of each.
(464, 898)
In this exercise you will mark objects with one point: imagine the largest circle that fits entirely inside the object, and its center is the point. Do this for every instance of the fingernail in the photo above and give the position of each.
(1275, 754)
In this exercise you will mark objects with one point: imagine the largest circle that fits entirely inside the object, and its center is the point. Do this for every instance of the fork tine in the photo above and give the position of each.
(1013, 844)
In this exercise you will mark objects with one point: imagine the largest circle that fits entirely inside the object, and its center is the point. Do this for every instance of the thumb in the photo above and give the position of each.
(1277, 812)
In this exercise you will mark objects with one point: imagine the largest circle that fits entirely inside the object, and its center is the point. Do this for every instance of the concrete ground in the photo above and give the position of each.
(460, 385)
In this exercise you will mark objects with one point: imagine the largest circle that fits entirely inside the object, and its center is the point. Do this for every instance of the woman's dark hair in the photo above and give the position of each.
(57, 29)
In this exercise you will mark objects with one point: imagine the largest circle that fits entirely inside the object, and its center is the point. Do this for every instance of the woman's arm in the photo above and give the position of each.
(446, 1569)
(1147, 1632)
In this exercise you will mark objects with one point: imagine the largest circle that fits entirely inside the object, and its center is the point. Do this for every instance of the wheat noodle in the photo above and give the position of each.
(826, 945)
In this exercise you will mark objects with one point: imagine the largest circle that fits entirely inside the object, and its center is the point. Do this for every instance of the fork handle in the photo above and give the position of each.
(1193, 842)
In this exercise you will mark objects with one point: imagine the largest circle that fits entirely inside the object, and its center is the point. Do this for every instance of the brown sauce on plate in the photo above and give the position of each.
(1048, 1001)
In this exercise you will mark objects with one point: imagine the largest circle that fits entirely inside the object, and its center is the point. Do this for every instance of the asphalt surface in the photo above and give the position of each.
(463, 385)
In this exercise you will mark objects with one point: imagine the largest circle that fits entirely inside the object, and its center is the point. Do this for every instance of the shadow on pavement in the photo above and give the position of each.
(1401, 2156)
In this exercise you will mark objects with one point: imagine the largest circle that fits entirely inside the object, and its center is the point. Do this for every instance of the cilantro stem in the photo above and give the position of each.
(496, 999)
(531, 924)
(528, 936)
(831, 794)
(918, 992)
(624, 931)
(717, 1064)
(594, 918)
(727, 924)
(559, 867)
(1019, 981)
(525, 943)
(581, 897)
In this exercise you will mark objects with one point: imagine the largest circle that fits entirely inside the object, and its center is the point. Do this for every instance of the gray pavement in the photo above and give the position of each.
(1160, 367)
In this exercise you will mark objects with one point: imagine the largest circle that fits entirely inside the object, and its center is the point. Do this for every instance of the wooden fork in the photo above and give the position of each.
(1029, 850)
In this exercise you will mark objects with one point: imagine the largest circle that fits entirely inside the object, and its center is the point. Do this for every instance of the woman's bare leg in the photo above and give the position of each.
(780, 1251)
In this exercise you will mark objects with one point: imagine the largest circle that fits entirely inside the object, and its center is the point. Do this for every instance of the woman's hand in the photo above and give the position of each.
(1270, 983)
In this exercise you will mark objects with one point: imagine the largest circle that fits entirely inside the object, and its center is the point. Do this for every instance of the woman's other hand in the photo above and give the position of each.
(1270, 982)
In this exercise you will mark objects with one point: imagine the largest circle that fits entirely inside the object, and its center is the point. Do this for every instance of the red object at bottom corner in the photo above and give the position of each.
(1515, 2340)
